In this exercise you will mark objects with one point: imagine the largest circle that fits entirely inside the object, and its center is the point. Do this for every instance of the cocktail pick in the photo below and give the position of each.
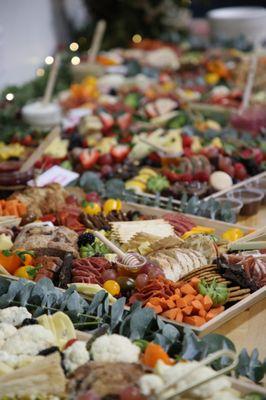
(208, 360)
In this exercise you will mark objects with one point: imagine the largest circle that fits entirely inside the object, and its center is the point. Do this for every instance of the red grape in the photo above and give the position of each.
(109, 275)
(155, 272)
(146, 268)
(106, 170)
(141, 281)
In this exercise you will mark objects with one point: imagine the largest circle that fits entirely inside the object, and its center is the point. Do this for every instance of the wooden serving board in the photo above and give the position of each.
(219, 226)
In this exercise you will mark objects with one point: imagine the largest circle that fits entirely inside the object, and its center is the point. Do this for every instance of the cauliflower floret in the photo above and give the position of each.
(150, 384)
(114, 348)
(76, 355)
(29, 340)
(14, 315)
(6, 330)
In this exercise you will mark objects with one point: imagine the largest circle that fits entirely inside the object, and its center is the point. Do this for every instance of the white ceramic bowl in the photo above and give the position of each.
(42, 116)
(232, 22)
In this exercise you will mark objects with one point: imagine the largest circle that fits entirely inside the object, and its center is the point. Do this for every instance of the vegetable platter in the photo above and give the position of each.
(43, 354)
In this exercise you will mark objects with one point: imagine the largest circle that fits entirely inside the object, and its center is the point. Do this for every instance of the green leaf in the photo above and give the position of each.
(117, 312)
(97, 299)
(193, 348)
(142, 344)
(139, 322)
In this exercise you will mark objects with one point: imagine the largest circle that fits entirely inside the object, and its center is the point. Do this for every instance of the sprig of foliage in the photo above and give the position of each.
(137, 323)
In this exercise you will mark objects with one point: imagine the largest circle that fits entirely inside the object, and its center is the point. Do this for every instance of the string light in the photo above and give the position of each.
(49, 60)
(40, 72)
(10, 96)
(137, 38)
(75, 60)
(74, 46)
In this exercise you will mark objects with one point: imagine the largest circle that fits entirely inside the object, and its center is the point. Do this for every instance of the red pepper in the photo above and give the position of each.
(69, 343)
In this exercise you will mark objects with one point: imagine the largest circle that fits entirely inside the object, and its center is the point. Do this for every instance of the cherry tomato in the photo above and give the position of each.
(112, 287)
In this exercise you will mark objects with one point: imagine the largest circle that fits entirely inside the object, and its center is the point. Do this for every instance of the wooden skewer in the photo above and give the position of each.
(96, 41)
(250, 81)
(37, 154)
(51, 81)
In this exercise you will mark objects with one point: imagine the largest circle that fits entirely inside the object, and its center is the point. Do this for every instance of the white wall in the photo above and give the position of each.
(28, 33)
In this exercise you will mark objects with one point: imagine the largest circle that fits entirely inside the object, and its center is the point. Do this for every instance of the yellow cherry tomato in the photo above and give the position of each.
(232, 234)
(212, 78)
(26, 272)
(92, 209)
(112, 205)
(112, 287)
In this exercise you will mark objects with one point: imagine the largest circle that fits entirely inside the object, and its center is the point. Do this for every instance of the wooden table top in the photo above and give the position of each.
(248, 329)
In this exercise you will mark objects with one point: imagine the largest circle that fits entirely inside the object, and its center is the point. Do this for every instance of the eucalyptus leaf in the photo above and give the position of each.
(162, 341)
(139, 322)
(171, 332)
(117, 312)
(97, 299)
(193, 348)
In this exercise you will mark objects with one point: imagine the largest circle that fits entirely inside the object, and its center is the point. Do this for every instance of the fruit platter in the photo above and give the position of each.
(188, 271)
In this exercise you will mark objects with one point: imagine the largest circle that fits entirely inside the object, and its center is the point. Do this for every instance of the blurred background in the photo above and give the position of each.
(32, 30)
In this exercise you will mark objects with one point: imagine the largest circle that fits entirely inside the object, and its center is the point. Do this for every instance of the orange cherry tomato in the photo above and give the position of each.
(153, 353)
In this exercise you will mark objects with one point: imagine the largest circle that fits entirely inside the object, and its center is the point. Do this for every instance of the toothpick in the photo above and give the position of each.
(250, 80)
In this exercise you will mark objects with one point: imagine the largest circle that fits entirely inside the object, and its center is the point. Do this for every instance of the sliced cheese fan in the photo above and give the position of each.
(126, 230)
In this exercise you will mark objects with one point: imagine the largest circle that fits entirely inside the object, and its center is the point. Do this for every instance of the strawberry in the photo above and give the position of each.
(120, 152)
(124, 120)
(89, 158)
(126, 138)
(240, 171)
(106, 119)
(186, 177)
(201, 176)
(187, 152)
(258, 155)
(187, 140)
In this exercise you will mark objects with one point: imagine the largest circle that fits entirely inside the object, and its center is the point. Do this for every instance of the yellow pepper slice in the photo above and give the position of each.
(232, 234)
(197, 230)
(112, 205)
(92, 209)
